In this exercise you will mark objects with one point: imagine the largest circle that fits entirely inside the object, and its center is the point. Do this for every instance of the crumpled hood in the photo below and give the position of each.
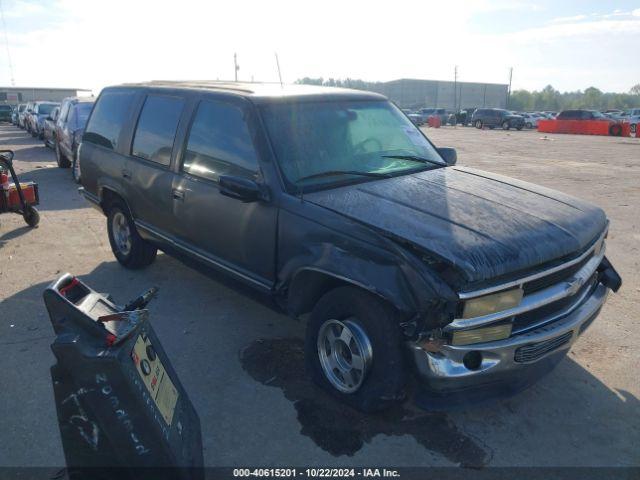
(486, 225)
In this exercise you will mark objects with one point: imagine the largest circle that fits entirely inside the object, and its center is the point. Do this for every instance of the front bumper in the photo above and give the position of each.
(516, 360)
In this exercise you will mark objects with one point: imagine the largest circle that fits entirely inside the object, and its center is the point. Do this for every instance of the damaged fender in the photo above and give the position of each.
(320, 256)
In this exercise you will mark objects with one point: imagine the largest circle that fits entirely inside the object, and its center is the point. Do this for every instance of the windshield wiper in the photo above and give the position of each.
(414, 158)
(332, 173)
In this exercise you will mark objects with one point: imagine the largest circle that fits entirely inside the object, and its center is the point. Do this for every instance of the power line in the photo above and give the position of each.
(6, 43)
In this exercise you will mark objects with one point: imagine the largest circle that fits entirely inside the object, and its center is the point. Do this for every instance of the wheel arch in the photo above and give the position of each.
(108, 195)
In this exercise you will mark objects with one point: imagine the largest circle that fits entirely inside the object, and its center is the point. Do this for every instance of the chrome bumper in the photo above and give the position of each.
(444, 371)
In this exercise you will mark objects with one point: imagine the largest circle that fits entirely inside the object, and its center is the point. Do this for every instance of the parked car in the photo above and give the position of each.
(5, 113)
(351, 214)
(434, 112)
(633, 117)
(416, 118)
(40, 111)
(14, 115)
(464, 116)
(615, 127)
(27, 116)
(22, 110)
(530, 120)
(496, 117)
(49, 130)
(69, 129)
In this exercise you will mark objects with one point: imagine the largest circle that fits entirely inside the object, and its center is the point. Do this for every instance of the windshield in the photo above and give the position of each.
(311, 138)
(598, 115)
(45, 108)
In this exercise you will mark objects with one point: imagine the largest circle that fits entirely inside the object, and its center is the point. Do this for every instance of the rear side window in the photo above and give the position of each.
(156, 130)
(568, 115)
(220, 143)
(106, 122)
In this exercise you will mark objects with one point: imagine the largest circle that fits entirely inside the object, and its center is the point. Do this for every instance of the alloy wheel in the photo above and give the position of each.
(345, 354)
(121, 233)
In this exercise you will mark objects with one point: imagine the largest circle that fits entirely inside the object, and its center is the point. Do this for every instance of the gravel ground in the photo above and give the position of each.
(240, 361)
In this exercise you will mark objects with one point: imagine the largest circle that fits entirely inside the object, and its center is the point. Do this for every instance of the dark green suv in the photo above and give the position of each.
(496, 117)
(333, 203)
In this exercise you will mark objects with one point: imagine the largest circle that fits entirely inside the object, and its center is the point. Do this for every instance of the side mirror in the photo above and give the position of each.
(449, 155)
(241, 188)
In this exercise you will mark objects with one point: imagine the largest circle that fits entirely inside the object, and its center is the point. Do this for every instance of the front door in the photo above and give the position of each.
(232, 235)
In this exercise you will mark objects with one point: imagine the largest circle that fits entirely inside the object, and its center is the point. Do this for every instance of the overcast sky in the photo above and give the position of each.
(90, 43)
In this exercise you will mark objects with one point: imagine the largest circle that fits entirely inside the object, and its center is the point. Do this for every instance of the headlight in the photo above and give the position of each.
(481, 335)
(496, 302)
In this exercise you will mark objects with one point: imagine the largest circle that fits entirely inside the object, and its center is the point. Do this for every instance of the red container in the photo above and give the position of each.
(434, 121)
(10, 200)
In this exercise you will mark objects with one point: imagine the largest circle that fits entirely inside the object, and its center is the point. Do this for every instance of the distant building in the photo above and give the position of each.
(413, 93)
(15, 95)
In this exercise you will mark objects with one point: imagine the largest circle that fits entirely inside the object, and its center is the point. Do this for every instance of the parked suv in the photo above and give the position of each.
(49, 130)
(27, 116)
(22, 110)
(40, 111)
(68, 131)
(496, 117)
(333, 203)
(5, 113)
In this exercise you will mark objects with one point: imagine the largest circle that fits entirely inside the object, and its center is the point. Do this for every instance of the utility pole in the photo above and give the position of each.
(509, 89)
(236, 67)
(278, 65)
(455, 88)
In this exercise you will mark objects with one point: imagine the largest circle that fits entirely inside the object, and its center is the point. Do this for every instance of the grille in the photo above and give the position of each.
(534, 351)
(526, 321)
(547, 281)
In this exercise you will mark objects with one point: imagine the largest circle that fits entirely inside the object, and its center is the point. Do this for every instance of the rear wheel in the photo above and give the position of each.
(633, 128)
(506, 126)
(529, 125)
(31, 216)
(63, 162)
(353, 349)
(478, 124)
(615, 130)
(129, 248)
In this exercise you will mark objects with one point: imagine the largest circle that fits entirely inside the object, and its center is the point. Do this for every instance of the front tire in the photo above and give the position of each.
(353, 349)
(506, 126)
(129, 248)
(478, 124)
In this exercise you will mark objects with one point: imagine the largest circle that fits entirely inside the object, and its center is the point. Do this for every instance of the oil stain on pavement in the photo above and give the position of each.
(341, 430)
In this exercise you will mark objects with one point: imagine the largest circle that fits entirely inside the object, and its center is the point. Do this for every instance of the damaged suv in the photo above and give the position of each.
(332, 202)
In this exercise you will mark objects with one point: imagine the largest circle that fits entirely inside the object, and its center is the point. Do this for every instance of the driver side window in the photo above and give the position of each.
(220, 143)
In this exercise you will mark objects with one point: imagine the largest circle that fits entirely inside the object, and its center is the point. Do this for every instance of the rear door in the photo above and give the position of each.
(228, 233)
(148, 171)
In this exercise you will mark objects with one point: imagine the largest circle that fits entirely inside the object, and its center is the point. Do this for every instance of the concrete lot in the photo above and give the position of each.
(241, 362)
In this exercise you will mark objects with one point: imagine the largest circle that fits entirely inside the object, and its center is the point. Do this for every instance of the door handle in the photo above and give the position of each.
(177, 194)
(126, 173)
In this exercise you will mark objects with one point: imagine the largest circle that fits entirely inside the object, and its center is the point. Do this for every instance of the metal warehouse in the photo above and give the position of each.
(414, 93)
(15, 95)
